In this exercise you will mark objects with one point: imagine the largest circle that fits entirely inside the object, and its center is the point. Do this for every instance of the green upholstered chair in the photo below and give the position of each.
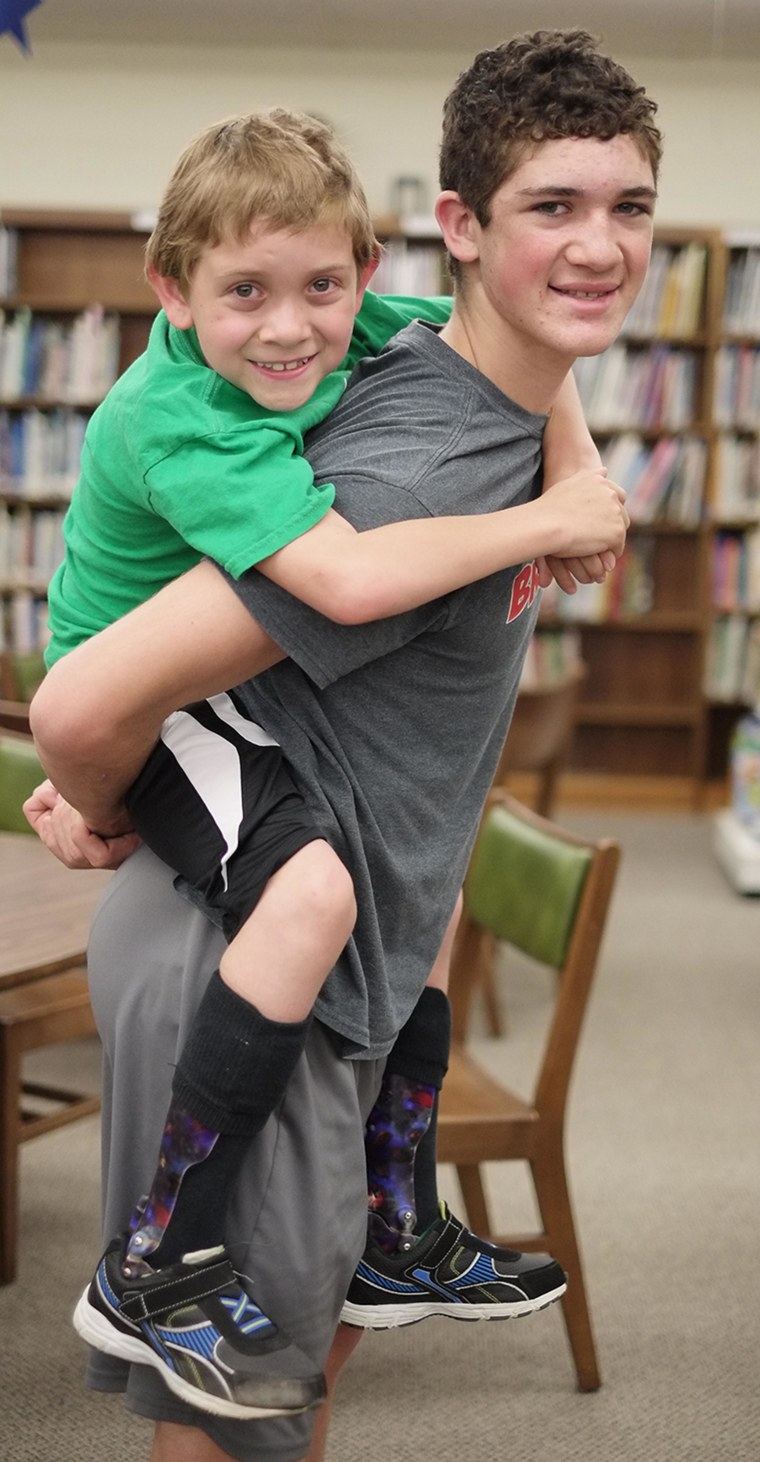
(537, 888)
(20, 773)
(19, 677)
(21, 674)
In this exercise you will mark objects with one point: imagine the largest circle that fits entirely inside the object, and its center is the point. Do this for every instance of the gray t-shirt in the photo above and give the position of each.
(393, 729)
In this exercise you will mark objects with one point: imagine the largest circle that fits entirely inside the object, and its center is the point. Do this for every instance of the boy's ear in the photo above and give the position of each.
(364, 279)
(171, 299)
(459, 227)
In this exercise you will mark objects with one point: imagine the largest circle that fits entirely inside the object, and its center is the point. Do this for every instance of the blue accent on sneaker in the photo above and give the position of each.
(198, 1324)
(449, 1271)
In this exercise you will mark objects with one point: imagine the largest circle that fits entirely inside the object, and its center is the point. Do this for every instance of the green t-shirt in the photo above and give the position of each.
(178, 464)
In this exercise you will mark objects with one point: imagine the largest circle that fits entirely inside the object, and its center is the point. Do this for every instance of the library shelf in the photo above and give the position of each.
(75, 311)
(733, 662)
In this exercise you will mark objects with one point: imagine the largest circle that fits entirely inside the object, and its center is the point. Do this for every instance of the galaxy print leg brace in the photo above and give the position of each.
(397, 1124)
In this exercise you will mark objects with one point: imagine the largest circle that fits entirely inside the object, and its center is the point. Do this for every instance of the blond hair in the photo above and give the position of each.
(277, 167)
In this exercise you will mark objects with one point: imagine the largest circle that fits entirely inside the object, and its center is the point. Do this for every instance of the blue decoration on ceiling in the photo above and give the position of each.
(12, 14)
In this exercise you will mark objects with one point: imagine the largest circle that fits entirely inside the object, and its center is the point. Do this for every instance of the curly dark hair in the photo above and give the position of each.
(536, 87)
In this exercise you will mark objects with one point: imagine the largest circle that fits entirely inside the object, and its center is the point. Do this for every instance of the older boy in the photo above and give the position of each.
(548, 167)
(260, 257)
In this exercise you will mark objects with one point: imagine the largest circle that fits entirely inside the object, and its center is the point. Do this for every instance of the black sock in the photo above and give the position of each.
(231, 1075)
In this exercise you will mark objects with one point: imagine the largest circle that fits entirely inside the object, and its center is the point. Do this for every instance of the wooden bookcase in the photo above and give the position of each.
(75, 310)
(649, 402)
(733, 661)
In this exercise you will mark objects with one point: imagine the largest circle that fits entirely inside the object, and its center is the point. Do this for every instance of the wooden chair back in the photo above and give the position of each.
(540, 734)
(542, 890)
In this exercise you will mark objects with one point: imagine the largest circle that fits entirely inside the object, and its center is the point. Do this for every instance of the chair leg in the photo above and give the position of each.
(494, 1016)
(556, 1211)
(10, 1078)
(476, 1209)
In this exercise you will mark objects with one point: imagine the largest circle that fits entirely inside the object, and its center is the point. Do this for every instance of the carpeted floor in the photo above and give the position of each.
(665, 1155)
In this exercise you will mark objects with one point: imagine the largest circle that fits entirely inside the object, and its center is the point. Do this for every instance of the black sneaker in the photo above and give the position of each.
(199, 1325)
(449, 1271)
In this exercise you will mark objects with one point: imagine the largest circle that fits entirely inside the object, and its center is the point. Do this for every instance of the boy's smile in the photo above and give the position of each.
(561, 259)
(273, 313)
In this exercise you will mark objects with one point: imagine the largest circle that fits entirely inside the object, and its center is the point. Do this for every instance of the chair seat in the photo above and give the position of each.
(473, 1106)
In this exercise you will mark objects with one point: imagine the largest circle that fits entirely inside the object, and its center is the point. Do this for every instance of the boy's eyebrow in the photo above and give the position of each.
(640, 190)
(243, 271)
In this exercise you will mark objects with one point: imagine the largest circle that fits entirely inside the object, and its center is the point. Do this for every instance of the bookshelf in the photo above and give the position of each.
(414, 261)
(650, 405)
(733, 660)
(75, 310)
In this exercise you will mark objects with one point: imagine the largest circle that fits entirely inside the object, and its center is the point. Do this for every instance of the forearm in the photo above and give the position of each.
(99, 711)
(354, 578)
(568, 444)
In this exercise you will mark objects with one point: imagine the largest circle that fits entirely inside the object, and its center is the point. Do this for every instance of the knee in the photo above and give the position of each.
(327, 889)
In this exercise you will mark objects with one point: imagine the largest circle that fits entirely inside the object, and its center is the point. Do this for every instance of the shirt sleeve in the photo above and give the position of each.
(382, 316)
(237, 496)
(324, 650)
(327, 651)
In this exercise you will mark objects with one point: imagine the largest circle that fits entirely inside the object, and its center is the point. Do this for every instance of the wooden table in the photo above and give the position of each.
(45, 914)
(45, 910)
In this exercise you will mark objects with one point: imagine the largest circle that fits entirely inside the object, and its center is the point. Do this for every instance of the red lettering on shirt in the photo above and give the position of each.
(524, 591)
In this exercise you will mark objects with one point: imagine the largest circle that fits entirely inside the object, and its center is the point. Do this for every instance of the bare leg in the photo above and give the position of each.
(346, 1340)
(283, 953)
(172, 1443)
(439, 975)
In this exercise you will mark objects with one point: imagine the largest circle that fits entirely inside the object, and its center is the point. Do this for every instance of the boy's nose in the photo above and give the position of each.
(285, 323)
(595, 246)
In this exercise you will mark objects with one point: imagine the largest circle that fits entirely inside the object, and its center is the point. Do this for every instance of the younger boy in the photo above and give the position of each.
(260, 257)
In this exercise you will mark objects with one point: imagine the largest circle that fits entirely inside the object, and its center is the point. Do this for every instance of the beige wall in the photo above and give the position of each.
(98, 126)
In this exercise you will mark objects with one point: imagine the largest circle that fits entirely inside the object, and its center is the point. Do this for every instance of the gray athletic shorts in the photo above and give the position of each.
(298, 1218)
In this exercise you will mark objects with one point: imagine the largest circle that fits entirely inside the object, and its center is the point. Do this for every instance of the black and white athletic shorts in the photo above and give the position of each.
(217, 802)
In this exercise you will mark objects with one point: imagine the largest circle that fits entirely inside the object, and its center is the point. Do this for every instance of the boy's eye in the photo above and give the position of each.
(551, 206)
(244, 291)
(323, 286)
(632, 210)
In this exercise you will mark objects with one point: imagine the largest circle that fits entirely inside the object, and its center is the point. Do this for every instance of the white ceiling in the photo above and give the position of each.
(695, 29)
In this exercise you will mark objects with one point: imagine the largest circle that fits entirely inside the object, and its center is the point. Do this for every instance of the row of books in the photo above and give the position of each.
(732, 672)
(417, 269)
(741, 315)
(551, 655)
(664, 480)
(671, 301)
(736, 572)
(40, 452)
(737, 387)
(628, 387)
(8, 255)
(627, 593)
(76, 361)
(31, 547)
(736, 493)
(23, 622)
